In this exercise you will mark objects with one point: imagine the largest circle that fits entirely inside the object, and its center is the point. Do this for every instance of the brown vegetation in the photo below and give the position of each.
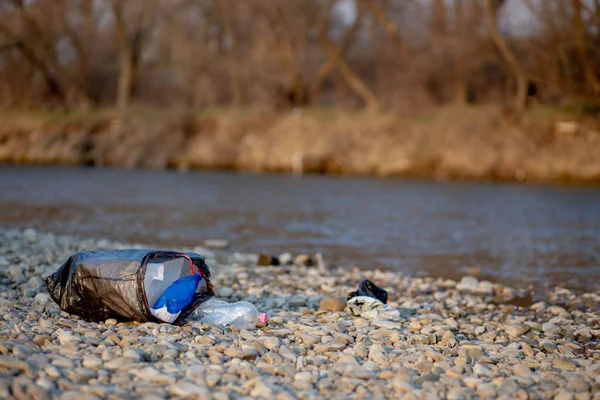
(374, 53)
(484, 73)
(453, 143)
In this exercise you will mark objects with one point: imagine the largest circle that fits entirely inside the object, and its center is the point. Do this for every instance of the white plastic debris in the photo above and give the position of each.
(371, 308)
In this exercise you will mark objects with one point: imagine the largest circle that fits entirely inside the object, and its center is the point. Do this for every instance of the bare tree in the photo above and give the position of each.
(439, 23)
(353, 80)
(125, 59)
(27, 34)
(293, 53)
(583, 51)
(80, 26)
(391, 28)
(131, 35)
(461, 86)
(521, 97)
(331, 61)
(228, 18)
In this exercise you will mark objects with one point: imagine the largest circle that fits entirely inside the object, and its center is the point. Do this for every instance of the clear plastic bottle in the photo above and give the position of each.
(241, 314)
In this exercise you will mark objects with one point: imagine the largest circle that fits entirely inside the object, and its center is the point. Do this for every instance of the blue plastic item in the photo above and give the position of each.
(176, 298)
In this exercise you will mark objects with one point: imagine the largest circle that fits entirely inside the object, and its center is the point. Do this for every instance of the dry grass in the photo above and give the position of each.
(447, 143)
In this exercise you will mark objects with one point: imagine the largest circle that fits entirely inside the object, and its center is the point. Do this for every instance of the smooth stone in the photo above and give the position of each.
(332, 304)
(447, 338)
(296, 301)
(42, 298)
(310, 339)
(46, 323)
(219, 244)
(415, 326)
(133, 354)
(12, 363)
(67, 338)
(401, 386)
(273, 358)
(36, 282)
(154, 375)
(15, 271)
(188, 389)
(468, 284)
(63, 362)
(550, 328)
(261, 389)
(564, 363)
(91, 362)
(522, 370)
(578, 385)
(303, 376)
(224, 292)
(212, 379)
(329, 347)
(564, 395)
(271, 342)
(427, 378)
(42, 340)
(517, 329)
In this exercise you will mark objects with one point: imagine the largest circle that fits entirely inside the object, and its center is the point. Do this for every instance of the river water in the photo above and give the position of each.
(515, 234)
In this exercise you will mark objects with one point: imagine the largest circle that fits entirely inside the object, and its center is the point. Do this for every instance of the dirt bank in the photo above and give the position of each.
(452, 143)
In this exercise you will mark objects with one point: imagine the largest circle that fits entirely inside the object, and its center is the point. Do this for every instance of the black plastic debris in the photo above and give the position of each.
(125, 284)
(369, 289)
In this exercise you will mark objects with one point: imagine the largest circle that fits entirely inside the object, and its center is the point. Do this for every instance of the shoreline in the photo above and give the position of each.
(452, 143)
(457, 343)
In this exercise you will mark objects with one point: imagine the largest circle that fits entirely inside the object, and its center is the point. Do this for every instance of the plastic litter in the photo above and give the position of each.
(371, 308)
(368, 288)
(125, 284)
(241, 314)
(176, 298)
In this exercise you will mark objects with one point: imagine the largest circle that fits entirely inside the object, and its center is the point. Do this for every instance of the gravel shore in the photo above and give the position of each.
(455, 340)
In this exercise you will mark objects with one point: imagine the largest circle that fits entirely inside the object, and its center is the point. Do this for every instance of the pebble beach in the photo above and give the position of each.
(457, 340)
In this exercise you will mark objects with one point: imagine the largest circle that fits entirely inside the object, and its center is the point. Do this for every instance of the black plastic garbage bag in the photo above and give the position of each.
(124, 284)
(369, 289)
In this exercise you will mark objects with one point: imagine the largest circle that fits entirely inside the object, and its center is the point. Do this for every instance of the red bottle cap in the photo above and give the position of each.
(263, 318)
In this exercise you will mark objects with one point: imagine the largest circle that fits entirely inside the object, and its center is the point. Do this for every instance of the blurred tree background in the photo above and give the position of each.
(467, 89)
(283, 54)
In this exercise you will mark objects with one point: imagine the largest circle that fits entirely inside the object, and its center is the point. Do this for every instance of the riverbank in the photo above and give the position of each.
(489, 143)
(455, 340)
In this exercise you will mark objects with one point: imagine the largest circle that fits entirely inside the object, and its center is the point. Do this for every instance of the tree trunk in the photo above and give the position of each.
(390, 26)
(581, 43)
(438, 19)
(235, 73)
(53, 84)
(125, 62)
(461, 86)
(521, 98)
(354, 81)
(82, 38)
(329, 65)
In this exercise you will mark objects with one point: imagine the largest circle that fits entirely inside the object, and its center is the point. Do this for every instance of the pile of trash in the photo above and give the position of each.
(370, 302)
(144, 285)
(167, 286)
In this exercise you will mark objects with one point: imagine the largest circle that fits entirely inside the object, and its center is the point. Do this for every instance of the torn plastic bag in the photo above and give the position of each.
(124, 284)
(370, 308)
(368, 288)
